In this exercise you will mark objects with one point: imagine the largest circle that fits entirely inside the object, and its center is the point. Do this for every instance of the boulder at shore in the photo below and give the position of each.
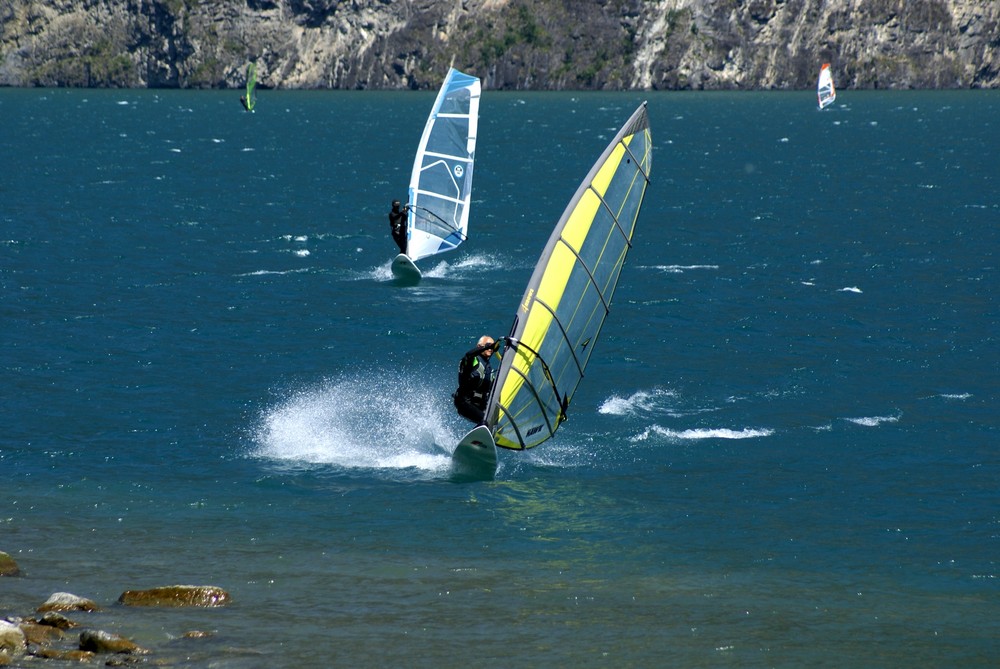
(12, 642)
(176, 595)
(99, 641)
(64, 601)
(8, 567)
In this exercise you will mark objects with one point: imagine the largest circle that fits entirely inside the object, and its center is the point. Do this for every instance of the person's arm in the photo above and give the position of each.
(474, 352)
(481, 349)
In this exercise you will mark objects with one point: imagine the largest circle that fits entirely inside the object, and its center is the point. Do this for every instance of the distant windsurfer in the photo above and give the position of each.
(243, 101)
(475, 380)
(397, 225)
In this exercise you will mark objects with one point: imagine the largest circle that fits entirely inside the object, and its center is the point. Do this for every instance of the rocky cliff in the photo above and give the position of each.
(510, 44)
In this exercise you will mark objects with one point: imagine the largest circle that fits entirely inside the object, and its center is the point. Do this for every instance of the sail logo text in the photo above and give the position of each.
(534, 430)
(527, 300)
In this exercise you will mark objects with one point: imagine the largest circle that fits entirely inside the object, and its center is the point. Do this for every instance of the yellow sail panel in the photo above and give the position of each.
(538, 323)
(580, 220)
(550, 289)
(550, 292)
(610, 168)
(569, 294)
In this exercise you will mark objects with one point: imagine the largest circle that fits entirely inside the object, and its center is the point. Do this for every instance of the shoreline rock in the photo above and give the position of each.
(65, 601)
(176, 595)
(8, 566)
(44, 637)
(12, 640)
(101, 642)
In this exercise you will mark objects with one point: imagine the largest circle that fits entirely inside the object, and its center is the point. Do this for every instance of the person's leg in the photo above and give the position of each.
(469, 411)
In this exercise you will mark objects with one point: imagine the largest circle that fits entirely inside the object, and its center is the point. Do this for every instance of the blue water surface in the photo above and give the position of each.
(784, 453)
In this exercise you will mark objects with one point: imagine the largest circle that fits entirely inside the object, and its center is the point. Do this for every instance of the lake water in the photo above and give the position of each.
(786, 450)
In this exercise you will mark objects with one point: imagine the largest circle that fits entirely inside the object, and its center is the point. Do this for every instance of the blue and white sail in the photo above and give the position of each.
(441, 181)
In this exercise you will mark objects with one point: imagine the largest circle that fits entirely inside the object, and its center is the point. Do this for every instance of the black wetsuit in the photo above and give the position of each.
(475, 380)
(397, 225)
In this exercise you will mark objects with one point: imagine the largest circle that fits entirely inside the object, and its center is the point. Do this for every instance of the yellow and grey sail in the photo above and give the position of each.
(569, 295)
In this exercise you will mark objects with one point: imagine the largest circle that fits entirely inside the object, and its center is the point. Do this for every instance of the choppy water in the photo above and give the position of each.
(785, 452)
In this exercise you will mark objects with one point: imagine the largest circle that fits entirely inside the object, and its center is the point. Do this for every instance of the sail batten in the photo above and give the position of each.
(570, 292)
(590, 275)
(438, 196)
(448, 156)
(565, 336)
(618, 225)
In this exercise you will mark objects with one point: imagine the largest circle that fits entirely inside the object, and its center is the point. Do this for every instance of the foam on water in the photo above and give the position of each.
(265, 272)
(702, 433)
(956, 396)
(680, 269)
(434, 268)
(355, 423)
(439, 270)
(381, 272)
(873, 421)
(642, 401)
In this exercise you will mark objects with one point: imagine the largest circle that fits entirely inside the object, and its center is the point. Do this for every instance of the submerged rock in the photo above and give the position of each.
(64, 601)
(8, 567)
(65, 655)
(99, 641)
(196, 634)
(40, 635)
(58, 620)
(176, 595)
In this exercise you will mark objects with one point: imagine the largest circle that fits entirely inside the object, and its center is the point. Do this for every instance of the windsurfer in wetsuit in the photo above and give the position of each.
(475, 380)
(243, 101)
(397, 225)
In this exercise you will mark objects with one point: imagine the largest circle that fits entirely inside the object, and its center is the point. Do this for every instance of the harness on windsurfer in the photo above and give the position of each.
(475, 380)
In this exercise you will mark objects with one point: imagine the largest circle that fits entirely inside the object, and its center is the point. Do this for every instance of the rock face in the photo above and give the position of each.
(510, 44)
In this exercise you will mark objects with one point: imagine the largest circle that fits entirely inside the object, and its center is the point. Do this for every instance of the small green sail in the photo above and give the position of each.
(250, 99)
